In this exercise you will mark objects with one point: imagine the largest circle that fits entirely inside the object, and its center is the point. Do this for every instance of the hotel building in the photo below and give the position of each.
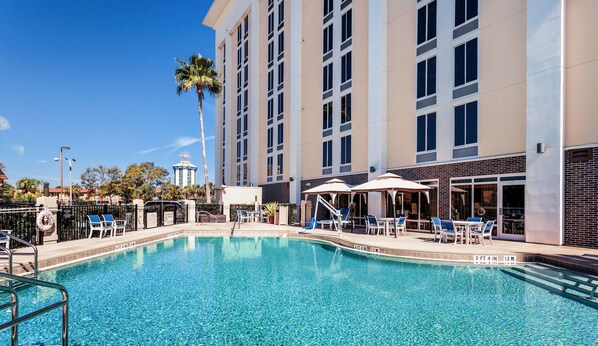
(488, 102)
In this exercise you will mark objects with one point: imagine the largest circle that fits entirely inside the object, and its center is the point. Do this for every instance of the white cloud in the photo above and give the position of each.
(42, 161)
(4, 125)
(179, 143)
(19, 149)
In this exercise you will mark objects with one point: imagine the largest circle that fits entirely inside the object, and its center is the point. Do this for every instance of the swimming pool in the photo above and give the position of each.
(279, 291)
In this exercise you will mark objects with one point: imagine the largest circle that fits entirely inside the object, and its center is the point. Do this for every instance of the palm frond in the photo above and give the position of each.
(199, 73)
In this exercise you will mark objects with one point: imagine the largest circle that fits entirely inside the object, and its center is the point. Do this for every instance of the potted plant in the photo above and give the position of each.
(270, 210)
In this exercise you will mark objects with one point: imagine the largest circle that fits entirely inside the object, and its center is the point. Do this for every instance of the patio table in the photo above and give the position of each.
(468, 226)
(254, 215)
(387, 221)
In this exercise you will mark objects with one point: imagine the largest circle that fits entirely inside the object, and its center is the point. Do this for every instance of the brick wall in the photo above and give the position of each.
(445, 172)
(581, 199)
(279, 192)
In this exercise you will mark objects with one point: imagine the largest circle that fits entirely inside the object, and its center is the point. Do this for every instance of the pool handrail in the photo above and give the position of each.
(12, 252)
(64, 303)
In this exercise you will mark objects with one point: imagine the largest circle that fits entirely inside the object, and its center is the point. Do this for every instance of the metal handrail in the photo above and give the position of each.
(64, 303)
(13, 252)
(201, 212)
(14, 305)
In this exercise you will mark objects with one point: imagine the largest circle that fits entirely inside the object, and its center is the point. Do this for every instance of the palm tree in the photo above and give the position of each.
(200, 74)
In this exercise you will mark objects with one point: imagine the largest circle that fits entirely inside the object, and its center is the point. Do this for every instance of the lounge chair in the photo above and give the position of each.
(448, 229)
(436, 226)
(117, 225)
(242, 216)
(486, 231)
(372, 224)
(95, 224)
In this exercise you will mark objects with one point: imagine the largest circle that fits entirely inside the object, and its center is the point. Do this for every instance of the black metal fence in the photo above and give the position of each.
(21, 221)
(72, 221)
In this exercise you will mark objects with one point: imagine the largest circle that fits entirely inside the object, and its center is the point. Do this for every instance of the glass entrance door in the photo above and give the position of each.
(511, 220)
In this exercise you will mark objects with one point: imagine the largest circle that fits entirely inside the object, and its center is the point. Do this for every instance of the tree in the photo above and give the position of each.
(141, 180)
(171, 192)
(2, 167)
(194, 191)
(200, 74)
(27, 190)
(102, 180)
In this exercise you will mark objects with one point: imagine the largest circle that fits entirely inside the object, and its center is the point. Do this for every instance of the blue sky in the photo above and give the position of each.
(97, 75)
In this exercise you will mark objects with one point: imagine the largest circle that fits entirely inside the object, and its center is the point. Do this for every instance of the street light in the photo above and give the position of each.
(70, 175)
(60, 159)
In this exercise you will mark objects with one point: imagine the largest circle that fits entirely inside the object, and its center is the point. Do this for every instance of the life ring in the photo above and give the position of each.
(44, 220)
(481, 211)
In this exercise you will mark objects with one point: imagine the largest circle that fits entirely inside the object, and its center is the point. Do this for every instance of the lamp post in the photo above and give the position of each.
(70, 176)
(60, 159)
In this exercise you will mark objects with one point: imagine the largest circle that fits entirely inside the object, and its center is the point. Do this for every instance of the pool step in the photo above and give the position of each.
(579, 287)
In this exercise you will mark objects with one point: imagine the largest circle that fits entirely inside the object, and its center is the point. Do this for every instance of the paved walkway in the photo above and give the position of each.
(413, 245)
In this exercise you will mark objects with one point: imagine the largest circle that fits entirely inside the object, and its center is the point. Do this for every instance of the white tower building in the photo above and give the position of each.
(185, 173)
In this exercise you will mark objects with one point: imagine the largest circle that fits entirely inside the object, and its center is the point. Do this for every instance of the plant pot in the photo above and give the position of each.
(271, 218)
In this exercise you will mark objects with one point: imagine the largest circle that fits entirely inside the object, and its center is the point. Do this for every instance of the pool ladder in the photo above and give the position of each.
(15, 282)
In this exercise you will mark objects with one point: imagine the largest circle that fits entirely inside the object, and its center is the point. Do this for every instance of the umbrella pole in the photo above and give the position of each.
(394, 217)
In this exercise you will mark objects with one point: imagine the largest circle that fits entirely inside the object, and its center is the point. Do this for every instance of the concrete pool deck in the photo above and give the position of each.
(413, 245)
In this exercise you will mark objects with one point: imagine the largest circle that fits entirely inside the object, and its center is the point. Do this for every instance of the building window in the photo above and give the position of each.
(246, 24)
(238, 150)
(281, 12)
(270, 52)
(271, 23)
(280, 103)
(327, 44)
(327, 154)
(280, 133)
(245, 123)
(328, 6)
(426, 22)
(239, 79)
(270, 137)
(426, 132)
(466, 62)
(270, 80)
(270, 109)
(245, 149)
(466, 124)
(347, 25)
(345, 108)
(239, 57)
(345, 150)
(426, 77)
(245, 74)
(327, 77)
(239, 126)
(246, 49)
(245, 98)
(269, 164)
(346, 67)
(281, 42)
(279, 170)
(238, 174)
(245, 175)
(465, 10)
(327, 116)
(239, 35)
(281, 73)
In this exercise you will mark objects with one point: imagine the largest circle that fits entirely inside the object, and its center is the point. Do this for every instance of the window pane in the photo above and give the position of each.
(421, 79)
(431, 76)
(459, 12)
(281, 42)
(472, 122)
(472, 9)
(459, 125)
(431, 131)
(431, 20)
(421, 133)
(281, 12)
(472, 60)
(281, 73)
(460, 65)
(421, 25)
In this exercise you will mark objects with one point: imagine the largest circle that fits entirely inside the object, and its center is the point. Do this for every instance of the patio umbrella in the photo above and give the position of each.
(392, 184)
(333, 187)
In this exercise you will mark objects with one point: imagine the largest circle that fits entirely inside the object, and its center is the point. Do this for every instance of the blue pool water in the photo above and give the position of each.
(269, 291)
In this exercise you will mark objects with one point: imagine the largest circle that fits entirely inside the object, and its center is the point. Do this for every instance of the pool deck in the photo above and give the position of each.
(413, 245)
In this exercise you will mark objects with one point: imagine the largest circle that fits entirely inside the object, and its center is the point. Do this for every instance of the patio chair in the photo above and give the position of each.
(474, 219)
(401, 225)
(345, 216)
(95, 224)
(242, 216)
(372, 225)
(486, 231)
(448, 229)
(5, 241)
(117, 225)
(436, 226)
